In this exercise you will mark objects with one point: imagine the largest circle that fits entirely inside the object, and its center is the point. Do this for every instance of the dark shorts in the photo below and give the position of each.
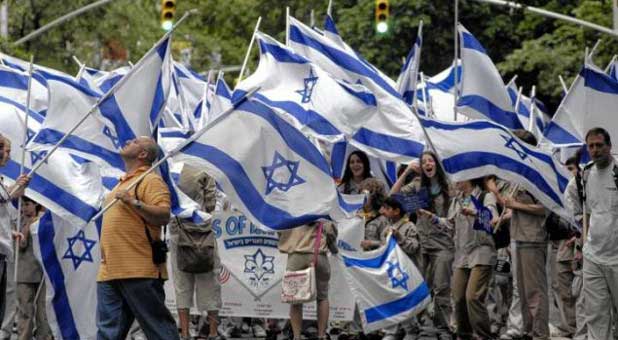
(297, 261)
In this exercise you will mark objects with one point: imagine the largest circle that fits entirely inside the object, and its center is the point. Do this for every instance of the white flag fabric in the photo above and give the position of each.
(437, 95)
(407, 81)
(70, 258)
(67, 185)
(589, 103)
(316, 102)
(393, 133)
(386, 284)
(481, 148)
(274, 174)
(601, 103)
(483, 93)
(14, 85)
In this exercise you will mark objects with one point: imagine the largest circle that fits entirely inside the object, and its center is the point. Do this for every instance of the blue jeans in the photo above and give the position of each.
(120, 302)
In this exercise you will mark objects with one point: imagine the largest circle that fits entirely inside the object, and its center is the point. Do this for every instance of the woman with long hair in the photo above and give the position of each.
(435, 234)
(357, 169)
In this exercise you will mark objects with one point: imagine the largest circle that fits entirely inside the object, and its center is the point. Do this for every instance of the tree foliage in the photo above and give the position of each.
(535, 48)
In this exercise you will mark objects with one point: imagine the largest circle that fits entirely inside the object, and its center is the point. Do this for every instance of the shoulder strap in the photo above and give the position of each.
(316, 245)
(580, 187)
(143, 220)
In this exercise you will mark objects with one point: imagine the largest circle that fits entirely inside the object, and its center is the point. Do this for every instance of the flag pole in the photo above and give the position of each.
(108, 94)
(610, 63)
(20, 201)
(424, 97)
(417, 63)
(176, 150)
(287, 26)
(329, 9)
(532, 108)
(518, 100)
(456, 52)
(565, 88)
(246, 60)
(512, 80)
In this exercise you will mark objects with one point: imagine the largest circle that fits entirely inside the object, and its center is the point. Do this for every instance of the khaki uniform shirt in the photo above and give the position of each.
(472, 247)
(527, 227)
(433, 235)
(408, 240)
(125, 249)
(302, 239)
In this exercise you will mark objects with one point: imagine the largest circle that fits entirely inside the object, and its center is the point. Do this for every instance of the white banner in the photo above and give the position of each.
(252, 269)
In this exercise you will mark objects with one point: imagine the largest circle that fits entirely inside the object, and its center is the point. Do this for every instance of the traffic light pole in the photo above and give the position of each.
(61, 20)
(555, 15)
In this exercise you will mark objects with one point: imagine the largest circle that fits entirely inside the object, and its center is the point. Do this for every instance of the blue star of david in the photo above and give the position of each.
(85, 255)
(107, 132)
(37, 156)
(280, 162)
(29, 135)
(398, 277)
(514, 145)
(306, 92)
(259, 264)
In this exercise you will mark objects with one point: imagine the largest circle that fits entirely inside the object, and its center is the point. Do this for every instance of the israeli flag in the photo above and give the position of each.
(273, 174)
(481, 148)
(406, 83)
(601, 102)
(531, 117)
(14, 86)
(437, 94)
(386, 284)
(67, 185)
(220, 101)
(483, 93)
(185, 95)
(394, 132)
(318, 104)
(568, 126)
(70, 257)
(132, 110)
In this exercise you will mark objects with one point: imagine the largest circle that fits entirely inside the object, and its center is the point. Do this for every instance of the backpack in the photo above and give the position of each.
(502, 234)
(558, 228)
(196, 248)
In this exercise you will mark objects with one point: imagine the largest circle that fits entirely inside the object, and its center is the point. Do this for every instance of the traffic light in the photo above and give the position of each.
(382, 13)
(168, 9)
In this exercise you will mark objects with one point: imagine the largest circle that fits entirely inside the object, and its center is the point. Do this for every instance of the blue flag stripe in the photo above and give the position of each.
(267, 214)
(49, 136)
(295, 140)
(471, 160)
(53, 192)
(281, 54)
(376, 262)
(469, 41)
(388, 143)
(60, 301)
(491, 111)
(21, 107)
(398, 306)
(599, 81)
(342, 59)
(558, 135)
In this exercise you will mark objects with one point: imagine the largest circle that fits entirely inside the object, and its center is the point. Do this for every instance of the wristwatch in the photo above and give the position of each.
(138, 204)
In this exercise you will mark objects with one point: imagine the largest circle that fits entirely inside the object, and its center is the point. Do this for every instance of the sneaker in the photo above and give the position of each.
(258, 331)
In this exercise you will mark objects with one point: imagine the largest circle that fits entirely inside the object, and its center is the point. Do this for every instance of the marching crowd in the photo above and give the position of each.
(491, 254)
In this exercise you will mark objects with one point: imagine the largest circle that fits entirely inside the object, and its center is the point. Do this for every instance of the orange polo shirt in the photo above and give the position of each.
(125, 249)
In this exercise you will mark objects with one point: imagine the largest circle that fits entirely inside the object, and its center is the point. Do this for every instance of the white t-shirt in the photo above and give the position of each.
(602, 205)
(7, 217)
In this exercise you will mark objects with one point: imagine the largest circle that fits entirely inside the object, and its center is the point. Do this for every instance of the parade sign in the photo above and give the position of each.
(252, 269)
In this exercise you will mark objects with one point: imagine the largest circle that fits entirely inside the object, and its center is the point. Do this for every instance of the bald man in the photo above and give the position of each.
(130, 279)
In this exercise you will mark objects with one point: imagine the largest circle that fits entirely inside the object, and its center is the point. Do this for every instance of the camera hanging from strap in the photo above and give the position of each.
(159, 247)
